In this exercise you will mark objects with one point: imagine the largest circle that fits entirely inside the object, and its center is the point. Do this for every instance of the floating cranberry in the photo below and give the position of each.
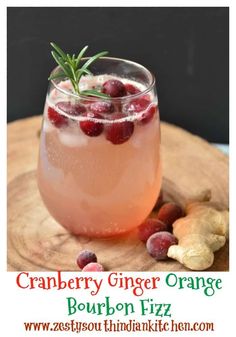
(131, 89)
(114, 88)
(138, 104)
(148, 114)
(85, 257)
(71, 109)
(102, 107)
(92, 128)
(119, 132)
(57, 119)
(93, 266)
(149, 227)
(159, 243)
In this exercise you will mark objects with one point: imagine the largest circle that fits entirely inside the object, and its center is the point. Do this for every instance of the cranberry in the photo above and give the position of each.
(119, 132)
(57, 119)
(148, 115)
(85, 257)
(169, 212)
(90, 127)
(102, 107)
(71, 109)
(131, 89)
(114, 88)
(93, 266)
(159, 243)
(149, 227)
(138, 104)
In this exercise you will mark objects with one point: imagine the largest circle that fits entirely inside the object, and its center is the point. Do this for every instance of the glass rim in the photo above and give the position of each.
(123, 98)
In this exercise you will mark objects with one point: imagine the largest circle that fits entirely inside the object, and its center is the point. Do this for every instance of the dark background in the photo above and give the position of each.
(186, 48)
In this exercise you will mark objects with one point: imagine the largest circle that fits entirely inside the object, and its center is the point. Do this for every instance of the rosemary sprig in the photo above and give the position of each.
(70, 68)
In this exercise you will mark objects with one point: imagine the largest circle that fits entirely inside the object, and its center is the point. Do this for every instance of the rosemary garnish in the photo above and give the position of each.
(70, 68)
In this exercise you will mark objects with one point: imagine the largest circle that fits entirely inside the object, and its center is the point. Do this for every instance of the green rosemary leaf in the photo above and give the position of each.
(55, 76)
(93, 59)
(73, 73)
(58, 61)
(69, 59)
(88, 72)
(80, 72)
(79, 57)
(59, 51)
(75, 86)
(94, 93)
(73, 61)
(61, 64)
(70, 68)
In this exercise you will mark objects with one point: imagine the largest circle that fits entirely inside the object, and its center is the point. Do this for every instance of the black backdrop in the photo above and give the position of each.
(186, 49)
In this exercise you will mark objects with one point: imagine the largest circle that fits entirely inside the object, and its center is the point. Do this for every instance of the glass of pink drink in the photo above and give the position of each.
(99, 169)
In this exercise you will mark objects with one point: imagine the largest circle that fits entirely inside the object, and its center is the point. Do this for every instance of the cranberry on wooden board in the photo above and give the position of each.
(85, 257)
(169, 212)
(159, 243)
(149, 227)
(93, 266)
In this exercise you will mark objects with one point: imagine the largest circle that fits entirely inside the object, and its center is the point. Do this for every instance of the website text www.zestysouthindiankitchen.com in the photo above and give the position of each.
(109, 325)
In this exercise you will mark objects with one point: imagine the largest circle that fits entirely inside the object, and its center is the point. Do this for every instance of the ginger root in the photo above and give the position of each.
(200, 233)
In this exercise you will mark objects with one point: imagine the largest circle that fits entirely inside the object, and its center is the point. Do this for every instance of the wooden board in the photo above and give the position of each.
(36, 242)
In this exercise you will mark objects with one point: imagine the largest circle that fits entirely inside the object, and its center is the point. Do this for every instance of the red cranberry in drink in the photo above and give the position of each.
(119, 132)
(114, 88)
(71, 109)
(138, 104)
(85, 257)
(148, 114)
(92, 128)
(93, 266)
(159, 243)
(149, 227)
(131, 89)
(57, 119)
(102, 107)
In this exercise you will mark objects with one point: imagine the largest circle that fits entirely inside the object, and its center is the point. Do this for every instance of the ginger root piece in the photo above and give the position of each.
(200, 233)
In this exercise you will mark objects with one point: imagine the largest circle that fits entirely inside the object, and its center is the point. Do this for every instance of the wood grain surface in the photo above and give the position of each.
(37, 243)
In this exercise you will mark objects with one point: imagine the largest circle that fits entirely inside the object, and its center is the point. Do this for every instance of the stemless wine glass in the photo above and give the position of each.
(99, 170)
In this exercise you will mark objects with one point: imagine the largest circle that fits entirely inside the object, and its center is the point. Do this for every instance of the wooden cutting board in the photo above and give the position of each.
(37, 243)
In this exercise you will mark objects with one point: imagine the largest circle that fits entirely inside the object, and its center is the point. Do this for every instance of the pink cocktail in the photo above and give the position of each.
(99, 170)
